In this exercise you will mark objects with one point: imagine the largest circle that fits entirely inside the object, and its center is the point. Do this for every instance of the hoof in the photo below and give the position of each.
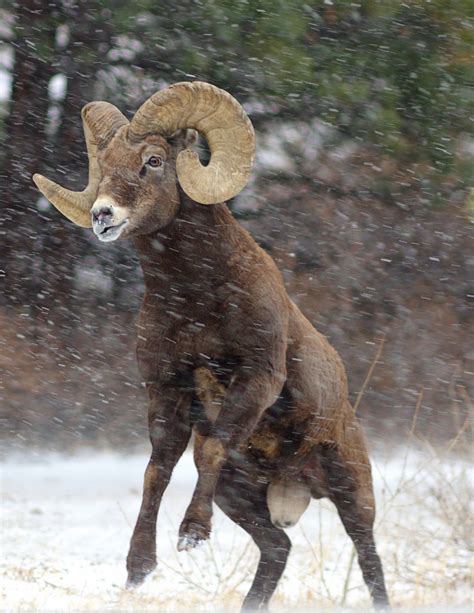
(254, 605)
(138, 573)
(186, 543)
(135, 580)
(192, 534)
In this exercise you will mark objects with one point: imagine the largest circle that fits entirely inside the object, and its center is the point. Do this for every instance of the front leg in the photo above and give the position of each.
(168, 421)
(250, 393)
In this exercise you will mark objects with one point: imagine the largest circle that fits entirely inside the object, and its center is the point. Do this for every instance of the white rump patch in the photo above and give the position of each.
(287, 501)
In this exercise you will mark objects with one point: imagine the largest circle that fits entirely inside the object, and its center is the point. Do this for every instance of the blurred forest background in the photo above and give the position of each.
(362, 193)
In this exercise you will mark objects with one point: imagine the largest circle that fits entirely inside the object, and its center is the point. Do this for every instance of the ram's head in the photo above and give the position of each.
(135, 167)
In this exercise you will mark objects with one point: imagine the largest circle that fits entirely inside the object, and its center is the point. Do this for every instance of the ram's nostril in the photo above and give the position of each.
(102, 214)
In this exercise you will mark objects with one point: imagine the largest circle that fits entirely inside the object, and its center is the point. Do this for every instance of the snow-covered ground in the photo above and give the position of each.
(66, 524)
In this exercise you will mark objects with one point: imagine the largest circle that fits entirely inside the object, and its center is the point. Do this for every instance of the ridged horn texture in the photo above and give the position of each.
(100, 121)
(220, 119)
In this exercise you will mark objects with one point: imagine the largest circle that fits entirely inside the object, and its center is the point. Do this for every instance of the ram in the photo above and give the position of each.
(222, 348)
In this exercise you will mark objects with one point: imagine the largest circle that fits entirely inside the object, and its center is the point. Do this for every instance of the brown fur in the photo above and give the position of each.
(223, 349)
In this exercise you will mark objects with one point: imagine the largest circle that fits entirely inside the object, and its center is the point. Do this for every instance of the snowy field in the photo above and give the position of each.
(66, 524)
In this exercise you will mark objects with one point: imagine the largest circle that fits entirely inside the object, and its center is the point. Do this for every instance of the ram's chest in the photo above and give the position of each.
(174, 346)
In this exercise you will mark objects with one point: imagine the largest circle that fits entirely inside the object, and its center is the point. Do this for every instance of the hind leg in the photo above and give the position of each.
(244, 501)
(347, 472)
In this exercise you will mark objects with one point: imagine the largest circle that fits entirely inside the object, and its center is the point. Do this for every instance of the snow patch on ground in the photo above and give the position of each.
(66, 525)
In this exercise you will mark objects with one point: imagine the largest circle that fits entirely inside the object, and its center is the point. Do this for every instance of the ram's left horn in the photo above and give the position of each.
(220, 119)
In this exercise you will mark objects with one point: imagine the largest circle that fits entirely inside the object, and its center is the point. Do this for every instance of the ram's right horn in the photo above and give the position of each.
(100, 121)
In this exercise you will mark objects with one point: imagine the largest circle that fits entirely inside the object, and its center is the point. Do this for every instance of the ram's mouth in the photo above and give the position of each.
(109, 233)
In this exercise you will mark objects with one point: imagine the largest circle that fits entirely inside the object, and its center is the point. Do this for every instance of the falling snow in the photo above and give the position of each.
(361, 192)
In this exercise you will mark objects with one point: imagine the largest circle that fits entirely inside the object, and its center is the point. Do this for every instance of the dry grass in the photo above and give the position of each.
(424, 531)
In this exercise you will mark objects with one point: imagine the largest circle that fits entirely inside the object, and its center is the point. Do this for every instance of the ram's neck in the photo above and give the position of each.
(193, 252)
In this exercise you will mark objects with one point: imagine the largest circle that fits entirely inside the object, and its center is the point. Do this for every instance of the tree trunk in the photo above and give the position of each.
(25, 147)
(79, 62)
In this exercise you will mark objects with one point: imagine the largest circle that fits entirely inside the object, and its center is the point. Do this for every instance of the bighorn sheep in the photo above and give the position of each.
(222, 348)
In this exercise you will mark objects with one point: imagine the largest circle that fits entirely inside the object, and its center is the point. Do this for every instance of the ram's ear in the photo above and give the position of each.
(181, 139)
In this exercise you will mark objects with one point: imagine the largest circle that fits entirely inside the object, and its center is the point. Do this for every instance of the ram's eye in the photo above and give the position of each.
(154, 161)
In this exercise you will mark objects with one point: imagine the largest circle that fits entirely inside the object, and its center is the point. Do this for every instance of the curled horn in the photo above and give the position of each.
(100, 121)
(220, 119)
